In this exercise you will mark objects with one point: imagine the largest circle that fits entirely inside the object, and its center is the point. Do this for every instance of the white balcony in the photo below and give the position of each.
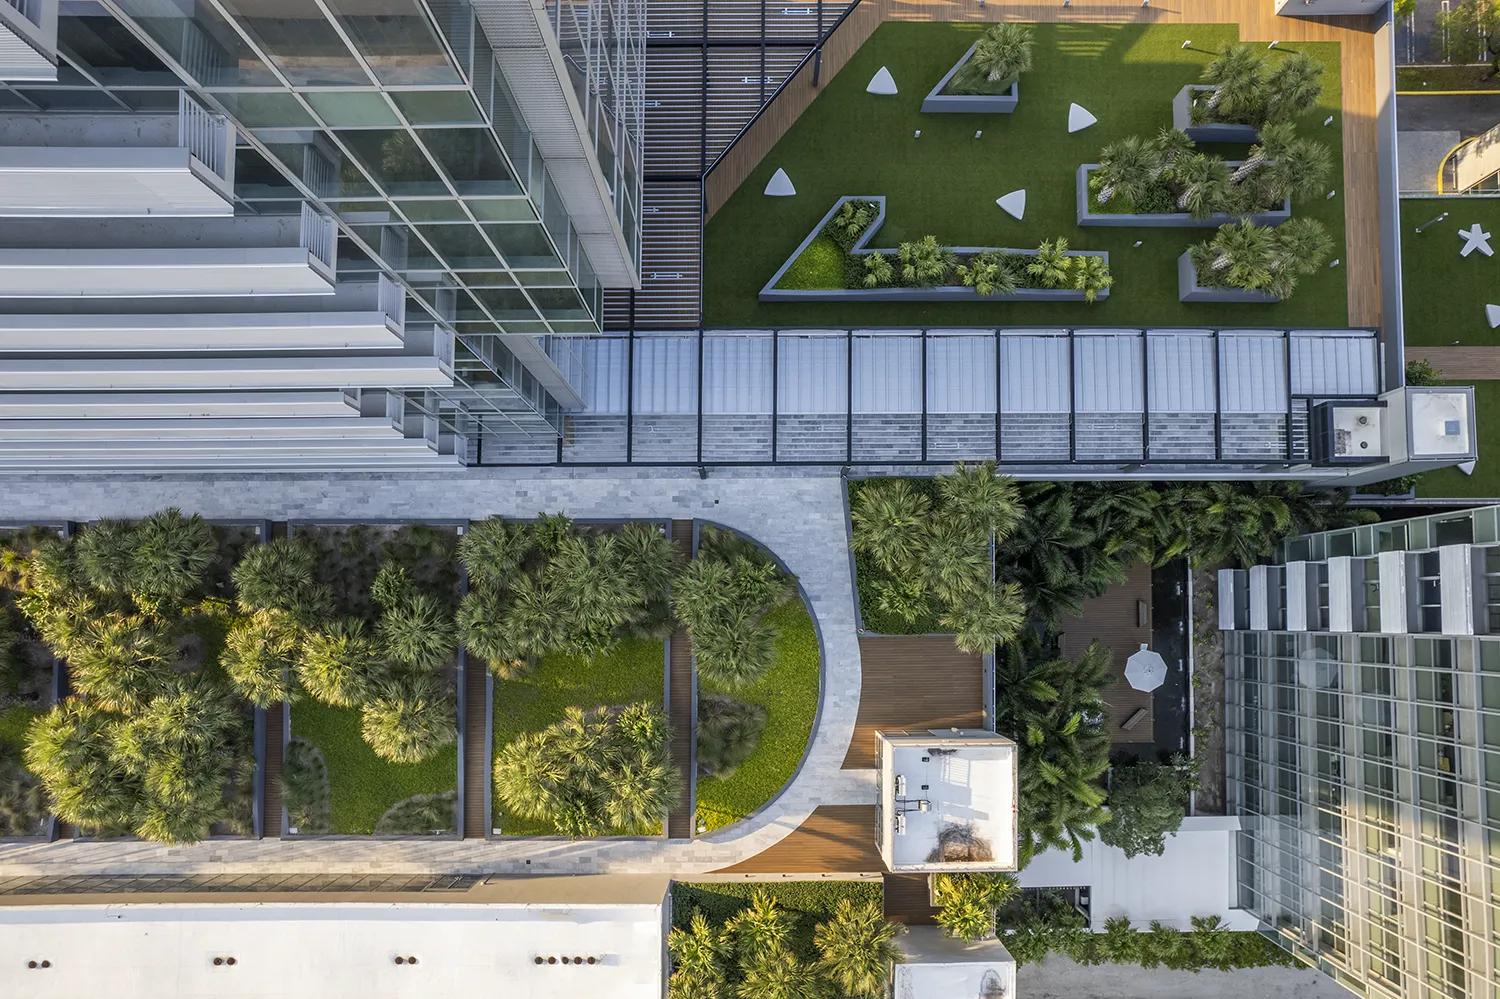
(172, 405)
(366, 316)
(218, 454)
(28, 40)
(75, 374)
(349, 426)
(117, 165)
(167, 258)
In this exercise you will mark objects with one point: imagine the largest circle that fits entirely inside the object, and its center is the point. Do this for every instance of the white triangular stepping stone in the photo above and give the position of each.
(1014, 203)
(882, 82)
(1079, 118)
(1492, 313)
(780, 185)
(1467, 467)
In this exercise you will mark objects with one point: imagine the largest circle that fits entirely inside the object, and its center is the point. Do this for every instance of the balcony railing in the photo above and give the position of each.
(319, 235)
(30, 9)
(207, 136)
(442, 347)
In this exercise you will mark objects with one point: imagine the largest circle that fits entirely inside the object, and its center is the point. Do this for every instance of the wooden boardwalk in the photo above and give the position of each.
(1114, 620)
(270, 806)
(835, 839)
(915, 682)
(906, 900)
(476, 748)
(682, 705)
(1470, 363)
(1257, 20)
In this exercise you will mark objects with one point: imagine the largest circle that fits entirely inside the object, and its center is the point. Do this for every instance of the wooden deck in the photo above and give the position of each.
(906, 900)
(270, 806)
(476, 748)
(1477, 363)
(1113, 619)
(913, 683)
(836, 839)
(1257, 20)
(682, 705)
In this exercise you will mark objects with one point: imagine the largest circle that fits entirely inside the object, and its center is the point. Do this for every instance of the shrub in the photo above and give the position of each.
(878, 270)
(259, 651)
(408, 718)
(23, 801)
(605, 769)
(728, 732)
(966, 903)
(1147, 803)
(420, 815)
(171, 556)
(340, 663)
(850, 222)
(304, 789)
(958, 842)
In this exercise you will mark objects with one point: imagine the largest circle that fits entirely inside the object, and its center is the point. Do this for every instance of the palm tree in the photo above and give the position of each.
(1042, 555)
(777, 973)
(1091, 276)
(878, 270)
(1293, 88)
(986, 618)
(67, 749)
(980, 501)
(1002, 54)
(699, 950)
(1051, 265)
(1237, 523)
(419, 632)
(1272, 144)
(172, 554)
(956, 564)
(925, 262)
(104, 551)
(492, 550)
(646, 785)
(1203, 184)
(1299, 172)
(1127, 168)
(889, 520)
(1172, 144)
(967, 902)
(1239, 87)
(408, 718)
(732, 649)
(281, 575)
(856, 947)
(258, 654)
(120, 661)
(762, 926)
(728, 731)
(989, 274)
(340, 663)
(1241, 255)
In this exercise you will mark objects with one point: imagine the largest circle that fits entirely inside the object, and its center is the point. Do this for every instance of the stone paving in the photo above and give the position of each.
(798, 516)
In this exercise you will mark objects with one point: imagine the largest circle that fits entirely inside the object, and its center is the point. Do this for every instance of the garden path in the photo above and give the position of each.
(799, 516)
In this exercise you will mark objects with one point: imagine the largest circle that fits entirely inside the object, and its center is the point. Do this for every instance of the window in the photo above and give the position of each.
(525, 245)
(301, 42)
(438, 107)
(394, 160)
(351, 108)
(471, 159)
(397, 40)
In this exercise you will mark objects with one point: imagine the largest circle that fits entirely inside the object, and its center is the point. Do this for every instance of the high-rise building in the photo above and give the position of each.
(1363, 742)
(257, 232)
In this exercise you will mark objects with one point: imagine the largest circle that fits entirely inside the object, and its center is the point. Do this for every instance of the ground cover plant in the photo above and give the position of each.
(571, 620)
(153, 741)
(1038, 924)
(25, 694)
(785, 941)
(1001, 55)
(759, 668)
(355, 624)
(946, 181)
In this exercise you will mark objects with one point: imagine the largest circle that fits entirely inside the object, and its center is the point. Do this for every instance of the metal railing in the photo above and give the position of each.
(29, 9)
(391, 300)
(205, 135)
(442, 347)
(318, 235)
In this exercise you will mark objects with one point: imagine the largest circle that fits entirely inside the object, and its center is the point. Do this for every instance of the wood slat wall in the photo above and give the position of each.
(682, 704)
(1112, 619)
(913, 682)
(1258, 21)
(836, 839)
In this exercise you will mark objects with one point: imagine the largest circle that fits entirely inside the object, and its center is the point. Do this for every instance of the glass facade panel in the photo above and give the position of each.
(438, 107)
(394, 161)
(397, 41)
(472, 160)
(300, 41)
(351, 108)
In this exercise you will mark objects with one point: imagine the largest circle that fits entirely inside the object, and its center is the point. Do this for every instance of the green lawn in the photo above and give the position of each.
(1445, 294)
(789, 693)
(362, 785)
(946, 182)
(1416, 79)
(632, 672)
(1485, 482)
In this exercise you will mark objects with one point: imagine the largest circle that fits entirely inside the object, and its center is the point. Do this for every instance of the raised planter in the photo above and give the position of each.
(937, 102)
(1189, 290)
(942, 293)
(1212, 131)
(1164, 220)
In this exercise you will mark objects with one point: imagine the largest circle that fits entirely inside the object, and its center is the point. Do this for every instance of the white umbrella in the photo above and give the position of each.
(1146, 670)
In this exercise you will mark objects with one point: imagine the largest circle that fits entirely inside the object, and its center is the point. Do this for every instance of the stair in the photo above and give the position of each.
(682, 706)
(476, 681)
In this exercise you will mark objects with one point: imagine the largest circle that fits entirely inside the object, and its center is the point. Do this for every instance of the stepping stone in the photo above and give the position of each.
(1492, 313)
(1079, 118)
(882, 82)
(1014, 203)
(780, 185)
(1467, 467)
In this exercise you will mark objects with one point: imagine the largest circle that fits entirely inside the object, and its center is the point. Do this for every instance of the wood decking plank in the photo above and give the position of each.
(835, 839)
(913, 682)
(682, 704)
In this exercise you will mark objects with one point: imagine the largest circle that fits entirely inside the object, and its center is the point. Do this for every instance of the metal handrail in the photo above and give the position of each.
(391, 299)
(318, 234)
(204, 135)
(442, 346)
(29, 9)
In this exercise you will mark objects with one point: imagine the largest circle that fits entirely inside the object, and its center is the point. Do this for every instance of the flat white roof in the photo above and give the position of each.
(331, 951)
(936, 780)
(936, 966)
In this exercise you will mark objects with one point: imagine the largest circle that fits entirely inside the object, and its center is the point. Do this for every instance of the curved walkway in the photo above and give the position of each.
(799, 517)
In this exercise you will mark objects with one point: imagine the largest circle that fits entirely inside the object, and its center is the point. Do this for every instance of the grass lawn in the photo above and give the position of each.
(1444, 293)
(946, 182)
(789, 693)
(632, 672)
(1485, 482)
(362, 785)
(1433, 79)
(810, 902)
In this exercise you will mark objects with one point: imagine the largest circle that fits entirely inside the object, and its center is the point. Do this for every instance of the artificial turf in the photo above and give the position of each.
(1485, 482)
(632, 671)
(1445, 294)
(788, 690)
(1437, 79)
(361, 785)
(946, 182)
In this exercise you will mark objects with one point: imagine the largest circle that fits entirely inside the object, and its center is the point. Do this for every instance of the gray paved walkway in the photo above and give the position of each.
(799, 517)
(1060, 978)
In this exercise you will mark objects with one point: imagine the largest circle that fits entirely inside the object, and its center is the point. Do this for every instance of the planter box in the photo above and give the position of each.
(1164, 220)
(941, 293)
(1182, 119)
(1189, 290)
(937, 102)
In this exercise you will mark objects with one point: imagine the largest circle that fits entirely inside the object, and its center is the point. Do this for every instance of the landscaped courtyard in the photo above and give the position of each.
(945, 183)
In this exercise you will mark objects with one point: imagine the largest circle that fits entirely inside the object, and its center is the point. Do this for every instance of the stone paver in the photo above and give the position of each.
(798, 516)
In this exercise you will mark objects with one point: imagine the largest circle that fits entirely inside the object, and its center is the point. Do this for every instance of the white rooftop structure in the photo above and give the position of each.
(545, 942)
(936, 966)
(946, 783)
